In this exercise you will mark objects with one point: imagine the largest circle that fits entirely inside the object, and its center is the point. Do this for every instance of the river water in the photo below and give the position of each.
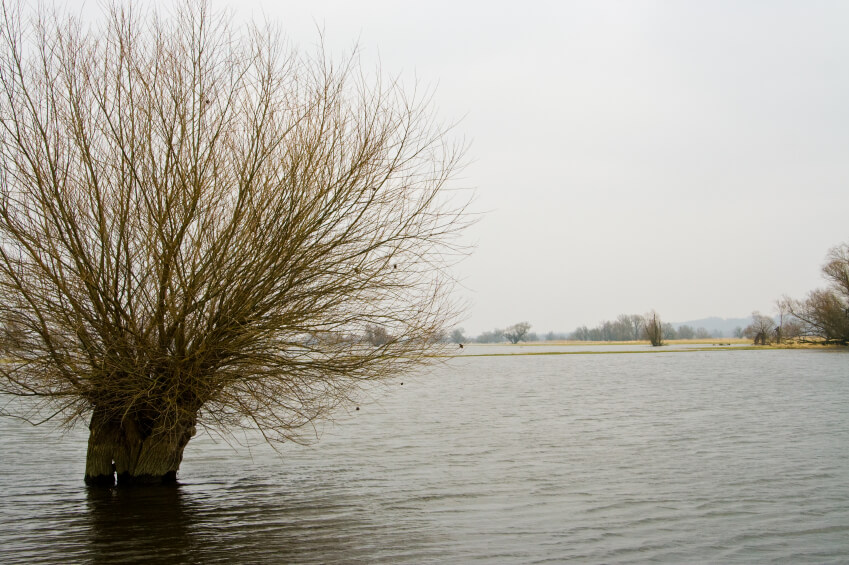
(706, 456)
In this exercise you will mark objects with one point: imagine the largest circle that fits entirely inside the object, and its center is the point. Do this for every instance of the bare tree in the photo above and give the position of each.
(624, 328)
(825, 312)
(836, 270)
(196, 225)
(685, 332)
(581, 333)
(791, 329)
(458, 335)
(377, 335)
(785, 327)
(494, 336)
(761, 329)
(637, 322)
(653, 328)
(517, 332)
(702, 333)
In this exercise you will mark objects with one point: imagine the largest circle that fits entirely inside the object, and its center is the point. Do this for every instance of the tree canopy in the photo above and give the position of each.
(517, 332)
(825, 312)
(653, 328)
(198, 225)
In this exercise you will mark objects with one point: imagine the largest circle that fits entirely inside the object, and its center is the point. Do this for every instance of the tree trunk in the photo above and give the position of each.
(120, 450)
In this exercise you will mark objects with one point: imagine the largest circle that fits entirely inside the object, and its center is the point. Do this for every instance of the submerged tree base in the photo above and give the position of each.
(127, 480)
(126, 452)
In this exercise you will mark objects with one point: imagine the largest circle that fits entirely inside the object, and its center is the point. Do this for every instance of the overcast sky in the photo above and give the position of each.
(687, 157)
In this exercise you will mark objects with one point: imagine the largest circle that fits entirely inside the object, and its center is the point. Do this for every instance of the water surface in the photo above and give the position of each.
(722, 456)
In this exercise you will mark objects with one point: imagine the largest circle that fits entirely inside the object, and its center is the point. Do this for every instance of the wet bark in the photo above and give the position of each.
(122, 451)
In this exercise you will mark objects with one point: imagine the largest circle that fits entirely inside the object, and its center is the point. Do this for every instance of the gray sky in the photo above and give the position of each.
(688, 157)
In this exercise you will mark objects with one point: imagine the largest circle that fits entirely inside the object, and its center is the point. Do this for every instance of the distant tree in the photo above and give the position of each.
(637, 322)
(702, 333)
(494, 336)
(517, 332)
(761, 330)
(376, 335)
(606, 332)
(653, 328)
(457, 336)
(623, 330)
(669, 332)
(825, 312)
(686, 332)
(738, 332)
(581, 333)
(784, 319)
(791, 329)
(836, 270)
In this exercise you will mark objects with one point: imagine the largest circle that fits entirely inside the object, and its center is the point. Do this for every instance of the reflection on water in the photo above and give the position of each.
(127, 523)
(244, 522)
(728, 456)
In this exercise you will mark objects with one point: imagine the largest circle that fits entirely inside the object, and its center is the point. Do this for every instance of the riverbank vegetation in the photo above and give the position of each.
(625, 328)
(820, 319)
(824, 313)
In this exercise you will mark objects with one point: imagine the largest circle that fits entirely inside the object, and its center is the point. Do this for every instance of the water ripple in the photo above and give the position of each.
(735, 456)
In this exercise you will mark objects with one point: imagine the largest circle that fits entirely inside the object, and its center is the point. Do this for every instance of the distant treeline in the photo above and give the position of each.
(626, 327)
(632, 327)
(823, 316)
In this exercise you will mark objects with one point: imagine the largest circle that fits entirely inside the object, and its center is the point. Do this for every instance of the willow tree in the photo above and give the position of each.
(198, 225)
(825, 312)
(653, 328)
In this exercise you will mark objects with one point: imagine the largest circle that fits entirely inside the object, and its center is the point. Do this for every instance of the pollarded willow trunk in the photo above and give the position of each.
(126, 451)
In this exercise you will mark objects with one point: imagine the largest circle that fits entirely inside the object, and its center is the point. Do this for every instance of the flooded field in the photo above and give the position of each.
(701, 456)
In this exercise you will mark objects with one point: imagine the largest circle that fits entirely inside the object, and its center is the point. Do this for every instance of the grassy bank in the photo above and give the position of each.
(708, 341)
(698, 345)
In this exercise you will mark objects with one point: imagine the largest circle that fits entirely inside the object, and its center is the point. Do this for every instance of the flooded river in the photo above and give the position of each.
(703, 456)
